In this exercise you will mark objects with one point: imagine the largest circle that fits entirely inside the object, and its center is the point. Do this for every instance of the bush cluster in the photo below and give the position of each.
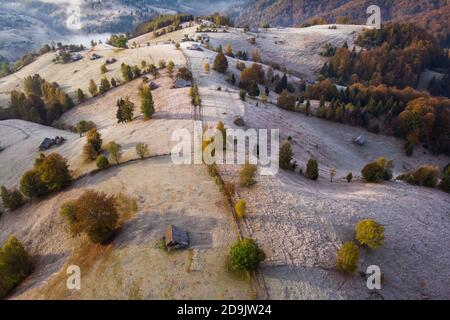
(247, 175)
(15, 265)
(93, 213)
(379, 170)
(245, 255)
(50, 173)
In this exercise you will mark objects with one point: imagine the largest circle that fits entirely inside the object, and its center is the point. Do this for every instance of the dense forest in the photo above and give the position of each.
(413, 115)
(395, 55)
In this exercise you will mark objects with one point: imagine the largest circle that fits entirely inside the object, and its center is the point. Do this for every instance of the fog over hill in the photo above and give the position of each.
(28, 24)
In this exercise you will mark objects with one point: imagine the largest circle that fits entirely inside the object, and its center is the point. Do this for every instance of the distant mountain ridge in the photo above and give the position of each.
(297, 12)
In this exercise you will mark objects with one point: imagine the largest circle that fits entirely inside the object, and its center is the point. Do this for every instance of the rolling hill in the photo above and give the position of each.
(295, 13)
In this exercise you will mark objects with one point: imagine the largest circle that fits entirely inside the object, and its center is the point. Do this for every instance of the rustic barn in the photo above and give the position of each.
(176, 238)
(361, 140)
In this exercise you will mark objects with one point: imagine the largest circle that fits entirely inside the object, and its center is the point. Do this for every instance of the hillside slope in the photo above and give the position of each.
(292, 13)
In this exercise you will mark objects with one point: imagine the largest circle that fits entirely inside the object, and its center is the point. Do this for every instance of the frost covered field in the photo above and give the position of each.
(72, 76)
(297, 49)
(300, 223)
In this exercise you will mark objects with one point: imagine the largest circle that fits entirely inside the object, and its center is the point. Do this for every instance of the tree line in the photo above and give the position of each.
(40, 101)
(395, 55)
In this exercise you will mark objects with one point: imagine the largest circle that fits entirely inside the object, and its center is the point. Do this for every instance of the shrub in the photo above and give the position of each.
(184, 73)
(170, 67)
(142, 150)
(102, 162)
(31, 185)
(387, 166)
(115, 151)
(349, 177)
(242, 94)
(53, 172)
(93, 89)
(93, 147)
(240, 208)
(253, 90)
(84, 126)
(147, 104)
(105, 86)
(207, 67)
(125, 110)
(426, 176)
(312, 169)
(379, 170)
(372, 172)
(286, 101)
(50, 173)
(93, 213)
(245, 255)
(80, 96)
(15, 265)
(12, 200)
(247, 175)
(220, 63)
(347, 257)
(370, 233)
(286, 156)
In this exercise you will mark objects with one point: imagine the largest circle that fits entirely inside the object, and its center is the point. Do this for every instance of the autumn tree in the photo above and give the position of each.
(347, 257)
(93, 213)
(53, 172)
(15, 265)
(50, 173)
(370, 233)
(245, 255)
(84, 126)
(93, 147)
(104, 85)
(102, 162)
(240, 208)
(286, 101)
(127, 72)
(256, 55)
(253, 90)
(115, 151)
(286, 156)
(229, 50)
(147, 104)
(125, 110)
(170, 68)
(92, 88)
(220, 63)
(142, 150)
(13, 199)
(80, 96)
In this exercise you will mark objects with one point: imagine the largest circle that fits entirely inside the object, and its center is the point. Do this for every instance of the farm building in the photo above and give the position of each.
(361, 140)
(48, 143)
(176, 238)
